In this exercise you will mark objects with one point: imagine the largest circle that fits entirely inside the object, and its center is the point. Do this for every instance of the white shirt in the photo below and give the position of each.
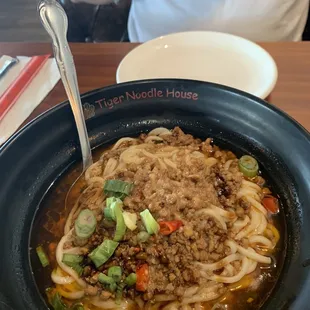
(256, 20)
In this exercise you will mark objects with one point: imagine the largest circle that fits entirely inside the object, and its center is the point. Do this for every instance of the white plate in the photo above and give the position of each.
(206, 56)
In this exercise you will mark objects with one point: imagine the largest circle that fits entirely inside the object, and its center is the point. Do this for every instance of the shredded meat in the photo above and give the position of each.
(179, 192)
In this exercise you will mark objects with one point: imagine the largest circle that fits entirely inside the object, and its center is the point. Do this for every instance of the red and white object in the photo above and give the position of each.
(22, 89)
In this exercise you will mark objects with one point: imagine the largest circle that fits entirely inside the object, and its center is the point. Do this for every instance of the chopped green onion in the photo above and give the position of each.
(248, 166)
(57, 302)
(112, 287)
(143, 236)
(78, 306)
(73, 261)
(117, 188)
(115, 272)
(131, 279)
(119, 293)
(120, 224)
(130, 220)
(108, 282)
(111, 203)
(85, 224)
(42, 256)
(103, 252)
(72, 258)
(149, 222)
(104, 279)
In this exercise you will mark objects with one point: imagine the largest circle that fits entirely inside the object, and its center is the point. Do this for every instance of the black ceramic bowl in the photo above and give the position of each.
(32, 159)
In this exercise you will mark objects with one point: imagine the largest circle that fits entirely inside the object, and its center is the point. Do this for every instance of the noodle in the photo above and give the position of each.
(244, 268)
(209, 227)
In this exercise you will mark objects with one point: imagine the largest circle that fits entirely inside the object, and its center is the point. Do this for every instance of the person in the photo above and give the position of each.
(256, 20)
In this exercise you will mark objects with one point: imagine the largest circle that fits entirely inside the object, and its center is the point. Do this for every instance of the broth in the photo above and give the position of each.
(48, 229)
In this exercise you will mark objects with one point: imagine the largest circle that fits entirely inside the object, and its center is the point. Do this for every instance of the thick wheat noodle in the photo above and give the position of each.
(110, 304)
(91, 168)
(263, 225)
(160, 131)
(198, 306)
(153, 138)
(235, 278)
(172, 306)
(197, 154)
(255, 221)
(231, 245)
(202, 296)
(169, 153)
(94, 180)
(251, 184)
(121, 141)
(148, 154)
(164, 297)
(227, 164)
(256, 204)
(64, 267)
(131, 155)
(261, 240)
(110, 166)
(191, 291)
(229, 215)
(76, 250)
(211, 161)
(213, 214)
(230, 269)
(221, 263)
(60, 279)
(239, 224)
(253, 255)
(243, 192)
(169, 163)
(162, 164)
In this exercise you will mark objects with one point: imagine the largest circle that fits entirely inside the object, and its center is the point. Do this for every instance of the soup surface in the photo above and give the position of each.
(163, 221)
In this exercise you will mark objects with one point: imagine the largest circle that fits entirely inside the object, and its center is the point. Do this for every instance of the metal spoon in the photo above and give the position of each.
(55, 21)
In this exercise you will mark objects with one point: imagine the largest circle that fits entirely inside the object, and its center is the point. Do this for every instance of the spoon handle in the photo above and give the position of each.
(55, 21)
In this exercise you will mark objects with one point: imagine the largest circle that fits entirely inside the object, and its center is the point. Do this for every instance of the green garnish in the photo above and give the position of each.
(103, 252)
(73, 261)
(78, 306)
(42, 256)
(248, 166)
(120, 224)
(149, 222)
(119, 293)
(85, 224)
(131, 279)
(108, 282)
(104, 279)
(117, 188)
(115, 273)
(57, 302)
(143, 236)
(111, 203)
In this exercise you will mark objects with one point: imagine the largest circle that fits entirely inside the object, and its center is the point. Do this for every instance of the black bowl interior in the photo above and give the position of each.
(32, 159)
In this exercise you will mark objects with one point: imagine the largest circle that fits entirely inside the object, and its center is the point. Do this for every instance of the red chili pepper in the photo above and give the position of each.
(168, 227)
(271, 204)
(143, 278)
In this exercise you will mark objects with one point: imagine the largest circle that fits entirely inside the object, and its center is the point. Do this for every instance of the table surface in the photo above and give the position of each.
(96, 66)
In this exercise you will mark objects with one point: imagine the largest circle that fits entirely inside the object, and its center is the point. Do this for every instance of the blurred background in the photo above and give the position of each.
(19, 21)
